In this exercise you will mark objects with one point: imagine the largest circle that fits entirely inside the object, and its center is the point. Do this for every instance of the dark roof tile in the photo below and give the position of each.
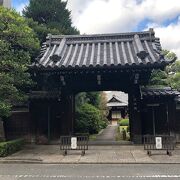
(159, 92)
(77, 51)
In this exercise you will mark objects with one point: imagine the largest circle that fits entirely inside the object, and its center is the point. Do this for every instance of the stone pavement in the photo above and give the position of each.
(108, 134)
(95, 155)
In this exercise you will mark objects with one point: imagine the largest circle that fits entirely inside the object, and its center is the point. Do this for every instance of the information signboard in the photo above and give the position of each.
(158, 142)
(74, 143)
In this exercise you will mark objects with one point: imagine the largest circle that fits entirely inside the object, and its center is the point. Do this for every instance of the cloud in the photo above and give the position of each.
(77, 8)
(99, 16)
(170, 36)
(113, 16)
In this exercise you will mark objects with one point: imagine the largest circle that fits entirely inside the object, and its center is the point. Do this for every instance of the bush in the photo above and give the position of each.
(103, 124)
(123, 127)
(88, 119)
(124, 122)
(128, 129)
(10, 147)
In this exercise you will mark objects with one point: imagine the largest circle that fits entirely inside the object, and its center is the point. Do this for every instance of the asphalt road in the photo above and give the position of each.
(89, 172)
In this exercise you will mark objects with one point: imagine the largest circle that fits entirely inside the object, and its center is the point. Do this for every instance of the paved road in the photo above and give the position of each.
(108, 134)
(89, 172)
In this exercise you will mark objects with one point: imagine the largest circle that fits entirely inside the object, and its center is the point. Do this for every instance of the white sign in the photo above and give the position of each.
(73, 142)
(158, 142)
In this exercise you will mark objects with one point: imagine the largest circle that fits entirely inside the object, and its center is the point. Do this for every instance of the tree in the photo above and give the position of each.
(91, 112)
(88, 119)
(159, 78)
(93, 98)
(17, 43)
(41, 30)
(52, 13)
(170, 76)
(80, 99)
(174, 75)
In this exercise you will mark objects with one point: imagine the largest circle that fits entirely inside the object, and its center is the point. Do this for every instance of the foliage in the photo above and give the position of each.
(124, 122)
(123, 127)
(88, 119)
(52, 13)
(80, 99)
(41, 30)
(103, 101)
(159, 77)
(174, 67)
(10, 147)
(169, 54)
(174, 75)
(175, 81)
(17, 43)
(170, 76)
(93, 98)
(119, 135)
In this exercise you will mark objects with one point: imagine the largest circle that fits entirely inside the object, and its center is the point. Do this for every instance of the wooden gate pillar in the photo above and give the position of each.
(134, 115)
(67, 123)
(171, 116)
(33, 123)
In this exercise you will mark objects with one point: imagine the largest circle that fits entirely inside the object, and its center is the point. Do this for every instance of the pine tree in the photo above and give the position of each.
(52, 13)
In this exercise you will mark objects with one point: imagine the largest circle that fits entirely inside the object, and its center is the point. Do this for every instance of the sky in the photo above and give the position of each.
(116, 16)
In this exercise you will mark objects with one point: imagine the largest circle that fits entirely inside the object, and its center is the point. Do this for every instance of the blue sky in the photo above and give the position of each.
(113, 16)
(19, 4)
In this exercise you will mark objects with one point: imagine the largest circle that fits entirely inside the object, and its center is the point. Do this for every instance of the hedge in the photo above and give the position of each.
(10, 147)
(124, 122)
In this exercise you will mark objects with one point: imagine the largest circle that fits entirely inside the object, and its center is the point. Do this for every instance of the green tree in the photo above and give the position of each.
(88, 119)
(52, 13)
(174, 75)
(169, 76)
(17, 43)
(93, 98)
(159, 78)
(80, 99)
(41, 30)
(91, 112)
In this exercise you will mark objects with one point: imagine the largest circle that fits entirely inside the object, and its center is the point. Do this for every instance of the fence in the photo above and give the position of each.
(74, 142)
(159, 142)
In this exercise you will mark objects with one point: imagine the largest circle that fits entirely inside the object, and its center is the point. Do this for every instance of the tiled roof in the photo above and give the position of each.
(115, 104)
(159, 92)
(119, 95)
(105, 50)
(121, 99)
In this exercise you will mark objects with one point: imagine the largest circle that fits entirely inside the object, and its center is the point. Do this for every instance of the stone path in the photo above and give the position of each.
(108, 134)
(95, 154)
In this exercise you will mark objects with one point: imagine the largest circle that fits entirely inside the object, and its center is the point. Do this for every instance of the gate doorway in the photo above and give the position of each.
(94, 115)
(68, 65)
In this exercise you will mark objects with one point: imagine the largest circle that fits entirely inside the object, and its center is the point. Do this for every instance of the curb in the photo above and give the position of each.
(41, 162)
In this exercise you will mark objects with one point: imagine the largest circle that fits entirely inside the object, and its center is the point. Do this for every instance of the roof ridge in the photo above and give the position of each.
(127, 50)
(150, 32)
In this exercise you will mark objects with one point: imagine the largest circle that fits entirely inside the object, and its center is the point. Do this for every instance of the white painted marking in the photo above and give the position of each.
(90, 177)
